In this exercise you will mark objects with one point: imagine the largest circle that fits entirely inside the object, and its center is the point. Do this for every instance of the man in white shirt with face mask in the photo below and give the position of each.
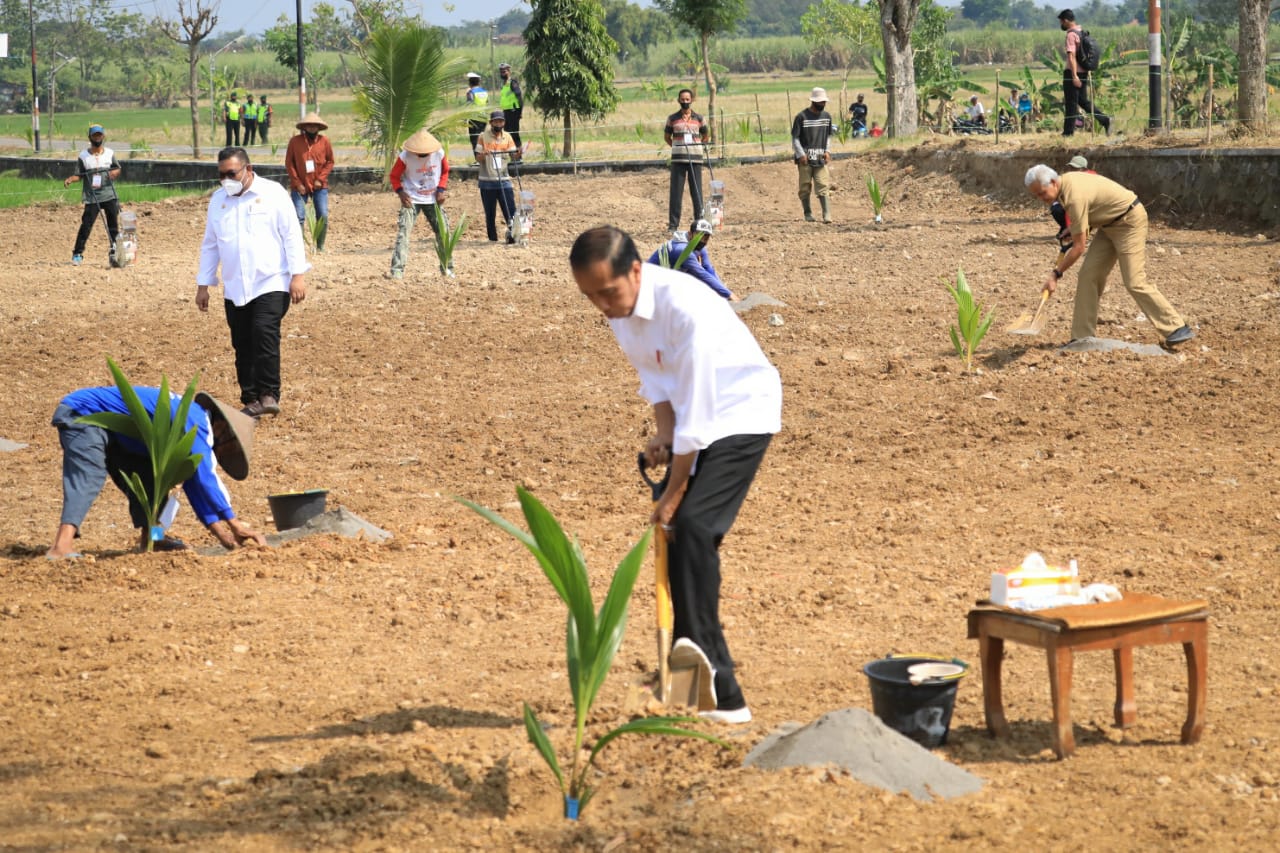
(252, 231)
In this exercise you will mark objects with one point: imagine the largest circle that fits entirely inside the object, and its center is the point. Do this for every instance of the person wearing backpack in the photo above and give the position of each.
(1082, 58)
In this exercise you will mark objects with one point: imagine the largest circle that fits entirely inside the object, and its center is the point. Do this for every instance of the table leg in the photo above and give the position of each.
(991, 653)
(1197, 652)
(1060, 665)
(1126, 707)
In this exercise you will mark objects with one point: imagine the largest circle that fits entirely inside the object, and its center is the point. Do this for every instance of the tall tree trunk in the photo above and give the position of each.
(192, 98)
(711, 85)
(897, 17)
(1251, 94)
(568, 135)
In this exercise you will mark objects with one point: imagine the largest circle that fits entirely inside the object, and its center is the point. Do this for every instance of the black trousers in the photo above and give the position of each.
(250, 131)
(1079, 100)
(682, 170)
(112, 211)
(255, 337)
(233, 130)
(262, 132)
(710, 505)
(492, 198)
(513, 125)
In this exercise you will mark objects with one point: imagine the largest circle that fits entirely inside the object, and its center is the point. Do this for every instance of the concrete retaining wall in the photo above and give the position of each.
(1237, 184)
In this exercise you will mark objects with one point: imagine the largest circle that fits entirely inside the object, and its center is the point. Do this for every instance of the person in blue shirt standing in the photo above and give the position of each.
(698, 263)
(91, 453)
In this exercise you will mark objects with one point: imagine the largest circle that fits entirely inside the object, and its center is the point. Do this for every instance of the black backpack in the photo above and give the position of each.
(1089, 53)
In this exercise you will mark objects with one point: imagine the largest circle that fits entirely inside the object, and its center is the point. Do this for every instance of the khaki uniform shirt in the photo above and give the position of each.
(1093, 201)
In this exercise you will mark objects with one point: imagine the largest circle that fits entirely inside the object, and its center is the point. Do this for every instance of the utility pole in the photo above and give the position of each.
(1154, 51)
(35, 86)
(493, 39)
(302, 78)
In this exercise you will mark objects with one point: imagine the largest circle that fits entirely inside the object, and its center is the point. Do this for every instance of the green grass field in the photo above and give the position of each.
(20, 192)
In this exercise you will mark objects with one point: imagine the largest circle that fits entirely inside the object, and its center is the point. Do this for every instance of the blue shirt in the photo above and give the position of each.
(698, 265)
(205, 492)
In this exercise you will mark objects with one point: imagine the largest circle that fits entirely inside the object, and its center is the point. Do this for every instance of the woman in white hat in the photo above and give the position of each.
(420, 177)
(309, 159)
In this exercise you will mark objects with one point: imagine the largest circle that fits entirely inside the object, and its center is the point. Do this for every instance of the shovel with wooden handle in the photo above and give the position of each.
(688, 684)
(1032, 322)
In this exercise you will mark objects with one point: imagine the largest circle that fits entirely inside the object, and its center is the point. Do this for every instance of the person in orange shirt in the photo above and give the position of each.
(309, 159)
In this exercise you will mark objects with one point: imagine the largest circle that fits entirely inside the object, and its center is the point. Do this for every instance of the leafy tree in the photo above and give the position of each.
(635, 29)
(985, 11)
(836, 21)
(195, 22)
(706, 18)
(774, 17)
(407, 79)
(568, 67)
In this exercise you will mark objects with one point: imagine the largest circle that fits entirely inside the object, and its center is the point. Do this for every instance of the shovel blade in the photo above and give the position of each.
(1032, 323)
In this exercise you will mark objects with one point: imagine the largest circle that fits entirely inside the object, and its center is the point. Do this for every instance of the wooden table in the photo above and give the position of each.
(1122, 626)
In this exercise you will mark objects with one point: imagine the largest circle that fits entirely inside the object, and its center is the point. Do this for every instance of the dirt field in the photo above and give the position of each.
(337, 695)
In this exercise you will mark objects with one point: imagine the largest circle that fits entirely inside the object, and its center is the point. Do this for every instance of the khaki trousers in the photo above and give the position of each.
(1125, 242)
(818, 176)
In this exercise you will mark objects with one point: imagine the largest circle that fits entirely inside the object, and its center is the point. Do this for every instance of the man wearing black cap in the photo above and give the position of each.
(1075, 79)
(511, 99)
(495, 149)
(97, 168)
(90, 454)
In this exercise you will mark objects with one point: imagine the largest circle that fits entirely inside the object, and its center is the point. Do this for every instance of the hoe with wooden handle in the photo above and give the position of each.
(1032, 323)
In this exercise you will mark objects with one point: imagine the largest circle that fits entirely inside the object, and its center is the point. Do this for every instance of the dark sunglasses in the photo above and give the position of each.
(230, 175)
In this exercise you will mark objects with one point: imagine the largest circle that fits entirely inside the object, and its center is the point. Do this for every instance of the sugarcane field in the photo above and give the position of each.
(366, 689)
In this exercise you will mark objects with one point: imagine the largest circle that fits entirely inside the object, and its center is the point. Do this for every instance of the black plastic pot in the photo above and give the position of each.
(294, 509)
(922, 711)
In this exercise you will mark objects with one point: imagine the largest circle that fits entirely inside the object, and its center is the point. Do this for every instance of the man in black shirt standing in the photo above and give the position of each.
(811, 145)
(858, 116)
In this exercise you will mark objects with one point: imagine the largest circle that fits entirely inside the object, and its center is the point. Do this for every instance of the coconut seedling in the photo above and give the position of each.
(168, 446)
(664, 255)
(877, 198)
(316, 229)
(592, 640)
(447, 238)
(971, 326)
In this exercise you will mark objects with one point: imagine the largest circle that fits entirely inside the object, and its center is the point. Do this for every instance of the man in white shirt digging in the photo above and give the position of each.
(717, 401)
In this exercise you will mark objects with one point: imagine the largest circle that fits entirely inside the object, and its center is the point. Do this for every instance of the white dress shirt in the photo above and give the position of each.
(256, 238)
(693, 352)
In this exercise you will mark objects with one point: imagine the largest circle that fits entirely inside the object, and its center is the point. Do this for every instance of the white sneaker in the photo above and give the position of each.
(685, 654)
(735, 717)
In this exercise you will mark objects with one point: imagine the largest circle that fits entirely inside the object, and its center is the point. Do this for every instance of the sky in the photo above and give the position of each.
(255, 16)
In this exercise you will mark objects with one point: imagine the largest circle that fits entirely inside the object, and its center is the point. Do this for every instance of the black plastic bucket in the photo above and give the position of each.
(294, 509)
(921, 711)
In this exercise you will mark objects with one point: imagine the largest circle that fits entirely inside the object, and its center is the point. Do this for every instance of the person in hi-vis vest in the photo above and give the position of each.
(250, 113)
(231, 116)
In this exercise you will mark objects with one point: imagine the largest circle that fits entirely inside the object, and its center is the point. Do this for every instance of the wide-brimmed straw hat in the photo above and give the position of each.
(422, 142)
(234, 457)
(312, 118)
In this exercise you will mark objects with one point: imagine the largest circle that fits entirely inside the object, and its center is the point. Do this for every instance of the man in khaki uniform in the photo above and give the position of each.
(1119, 224)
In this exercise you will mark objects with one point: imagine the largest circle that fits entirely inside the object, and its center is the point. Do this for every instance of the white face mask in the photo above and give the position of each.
(232, 187)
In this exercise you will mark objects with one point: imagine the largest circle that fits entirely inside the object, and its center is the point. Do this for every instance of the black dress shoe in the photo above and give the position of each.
(254, 409)
(1180, 336)
(269, 405)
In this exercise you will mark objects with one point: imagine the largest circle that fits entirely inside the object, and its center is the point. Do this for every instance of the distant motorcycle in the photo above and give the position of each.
(969, 126)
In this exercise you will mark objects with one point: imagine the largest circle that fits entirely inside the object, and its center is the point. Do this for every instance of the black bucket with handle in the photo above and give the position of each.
(920, 711)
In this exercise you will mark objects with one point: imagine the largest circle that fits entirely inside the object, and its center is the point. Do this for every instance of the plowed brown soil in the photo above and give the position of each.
(337, 695)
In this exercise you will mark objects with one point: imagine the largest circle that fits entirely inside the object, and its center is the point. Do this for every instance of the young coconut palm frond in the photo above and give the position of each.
(407, 80)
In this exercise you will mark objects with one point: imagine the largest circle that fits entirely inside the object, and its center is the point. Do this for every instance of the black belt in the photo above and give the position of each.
(1123, 215)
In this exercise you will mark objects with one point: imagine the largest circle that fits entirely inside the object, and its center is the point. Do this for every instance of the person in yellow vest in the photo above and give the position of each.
(511, 99)
(250, 120)
(476, 93)
(231, 111)
(264, 119)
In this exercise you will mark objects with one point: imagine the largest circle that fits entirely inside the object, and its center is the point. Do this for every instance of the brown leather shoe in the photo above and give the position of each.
(255, 410)
(269, 405)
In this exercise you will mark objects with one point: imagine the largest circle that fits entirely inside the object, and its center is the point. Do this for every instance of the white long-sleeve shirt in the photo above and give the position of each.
(693, 352)
(256, 238)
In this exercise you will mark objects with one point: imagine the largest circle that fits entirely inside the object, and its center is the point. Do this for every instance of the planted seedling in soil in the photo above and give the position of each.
(971, 327)
(877, 198)
(592, 641)
(168, 447)
(447, 238)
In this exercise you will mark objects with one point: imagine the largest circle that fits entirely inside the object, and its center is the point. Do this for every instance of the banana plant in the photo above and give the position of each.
(972, 325)
(591, 639)
(168, 446)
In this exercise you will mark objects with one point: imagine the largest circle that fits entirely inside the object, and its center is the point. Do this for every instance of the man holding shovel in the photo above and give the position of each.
(717, 401)
(1119, 224)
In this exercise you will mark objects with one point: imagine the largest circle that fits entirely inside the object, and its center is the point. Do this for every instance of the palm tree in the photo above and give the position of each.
(407, 79)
